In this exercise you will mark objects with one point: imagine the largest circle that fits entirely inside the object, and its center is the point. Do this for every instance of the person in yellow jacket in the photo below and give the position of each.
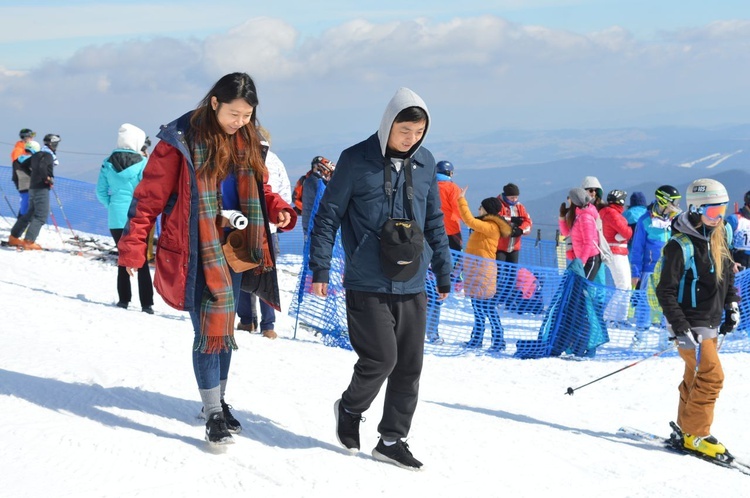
(480, 268)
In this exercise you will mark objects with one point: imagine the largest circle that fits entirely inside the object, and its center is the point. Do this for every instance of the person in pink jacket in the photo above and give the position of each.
(580, 225)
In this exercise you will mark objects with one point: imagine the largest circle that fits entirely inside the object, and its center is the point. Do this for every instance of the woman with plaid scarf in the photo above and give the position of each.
(210, 159)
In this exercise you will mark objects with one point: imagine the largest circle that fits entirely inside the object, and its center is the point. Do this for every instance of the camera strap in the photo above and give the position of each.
(406, 167)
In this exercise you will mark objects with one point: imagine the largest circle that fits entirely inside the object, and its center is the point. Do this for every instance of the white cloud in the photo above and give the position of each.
(475, 73)
(733, 31)
(264, 46)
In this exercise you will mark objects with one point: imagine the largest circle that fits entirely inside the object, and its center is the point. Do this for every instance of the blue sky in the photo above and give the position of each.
(326, 69)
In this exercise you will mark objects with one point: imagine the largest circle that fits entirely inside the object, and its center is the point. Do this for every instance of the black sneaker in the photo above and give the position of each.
(148, 309)
(347, 427)
(216, 430)
(233, 425)
(123, 305)
(397, 454)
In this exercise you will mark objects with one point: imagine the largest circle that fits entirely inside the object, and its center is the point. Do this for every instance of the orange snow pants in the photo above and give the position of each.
(698, 392)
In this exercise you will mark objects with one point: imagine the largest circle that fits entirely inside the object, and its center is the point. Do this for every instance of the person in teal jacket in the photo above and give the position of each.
(118, 177)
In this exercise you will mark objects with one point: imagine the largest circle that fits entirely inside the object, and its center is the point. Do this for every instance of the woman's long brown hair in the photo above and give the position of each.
(241, 150)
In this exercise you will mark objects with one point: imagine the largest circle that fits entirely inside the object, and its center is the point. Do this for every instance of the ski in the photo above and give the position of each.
(4, 243)
(675, 446)
(91, 244)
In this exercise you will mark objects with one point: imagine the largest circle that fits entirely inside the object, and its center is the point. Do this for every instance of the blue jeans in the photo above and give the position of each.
(210, 368)
(248, 314)
(486, 310)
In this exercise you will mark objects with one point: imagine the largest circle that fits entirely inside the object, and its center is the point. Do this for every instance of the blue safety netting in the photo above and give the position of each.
(544, 306)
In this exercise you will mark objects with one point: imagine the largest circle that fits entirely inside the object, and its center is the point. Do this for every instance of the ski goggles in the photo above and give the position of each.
(713, 211)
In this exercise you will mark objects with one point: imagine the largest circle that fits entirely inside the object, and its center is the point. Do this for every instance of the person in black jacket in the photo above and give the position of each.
(385, 296)
(42, 176)
(699, 301)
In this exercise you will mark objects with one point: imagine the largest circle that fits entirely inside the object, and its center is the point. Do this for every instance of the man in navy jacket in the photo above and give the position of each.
(385, 303)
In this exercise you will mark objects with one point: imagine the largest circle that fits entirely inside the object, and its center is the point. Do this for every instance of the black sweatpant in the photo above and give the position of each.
(145, 286)
(387, 333)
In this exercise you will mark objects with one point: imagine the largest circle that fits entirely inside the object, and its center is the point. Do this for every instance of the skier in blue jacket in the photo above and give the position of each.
(118, 177)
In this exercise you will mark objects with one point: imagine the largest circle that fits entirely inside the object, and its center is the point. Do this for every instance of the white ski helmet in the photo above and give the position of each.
(704, 192)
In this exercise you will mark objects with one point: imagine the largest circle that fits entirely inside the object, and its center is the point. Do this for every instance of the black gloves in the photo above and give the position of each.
(731, 318)
(563, 210)
(687, 339)
(516, 232)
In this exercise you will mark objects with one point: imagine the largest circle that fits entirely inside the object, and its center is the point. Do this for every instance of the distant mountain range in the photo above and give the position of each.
(546, 164)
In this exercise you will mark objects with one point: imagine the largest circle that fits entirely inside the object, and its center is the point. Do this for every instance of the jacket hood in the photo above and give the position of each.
(589, 210)
(591, 182)
(499, 221)
(122, 160)
(403, 99)
(682, 224)
(130, 137)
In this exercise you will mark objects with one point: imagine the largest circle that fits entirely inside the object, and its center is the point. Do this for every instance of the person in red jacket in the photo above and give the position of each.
(209, 161)
(509, 247)
(449, 194)
(617, 232)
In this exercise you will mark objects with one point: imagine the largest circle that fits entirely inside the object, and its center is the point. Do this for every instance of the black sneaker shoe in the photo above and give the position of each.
(233, 425)
(347, 427)
(398, 454)
(148, 309)
(216, 430)
(122, 305)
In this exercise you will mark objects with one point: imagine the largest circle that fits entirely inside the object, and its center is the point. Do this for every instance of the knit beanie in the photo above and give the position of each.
(130, 137)
(638, 199)
(492, 205)
(511, 189)
(579, 197)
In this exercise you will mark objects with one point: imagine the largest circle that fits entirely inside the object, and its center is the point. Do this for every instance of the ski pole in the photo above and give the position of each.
(57, 228)
(57, 197)
(75, 237)
(6, 220)
(572, 390)
(6, 200)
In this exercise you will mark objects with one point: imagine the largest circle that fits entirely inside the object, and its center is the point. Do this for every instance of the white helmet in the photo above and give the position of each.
(704, 192)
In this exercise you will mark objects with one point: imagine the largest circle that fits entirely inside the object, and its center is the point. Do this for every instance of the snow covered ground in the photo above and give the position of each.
(100, 401)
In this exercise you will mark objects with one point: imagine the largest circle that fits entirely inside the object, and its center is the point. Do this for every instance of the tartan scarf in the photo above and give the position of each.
(217, 306)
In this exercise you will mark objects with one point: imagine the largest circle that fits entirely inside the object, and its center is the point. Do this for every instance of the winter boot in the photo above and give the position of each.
(248, 327)
(270, 334)
(16, 242)
(30, 245)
